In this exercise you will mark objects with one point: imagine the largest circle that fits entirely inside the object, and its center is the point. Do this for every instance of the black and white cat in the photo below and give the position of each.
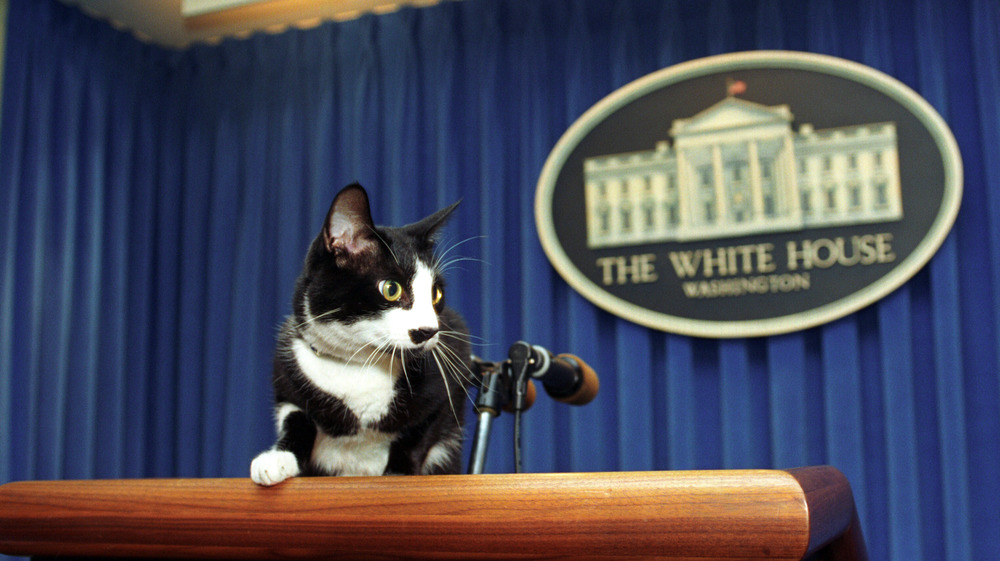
(372, 368)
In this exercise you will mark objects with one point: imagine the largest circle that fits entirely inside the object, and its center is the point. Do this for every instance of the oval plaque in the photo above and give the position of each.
(749, 194)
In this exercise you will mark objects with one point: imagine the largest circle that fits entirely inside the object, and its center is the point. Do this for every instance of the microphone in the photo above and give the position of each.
(565, 377)
(508, 386)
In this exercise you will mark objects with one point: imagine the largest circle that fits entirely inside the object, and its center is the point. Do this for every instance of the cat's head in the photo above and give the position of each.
(371, 287)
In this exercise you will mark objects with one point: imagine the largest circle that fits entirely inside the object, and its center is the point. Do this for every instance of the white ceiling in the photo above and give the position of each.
(161, 22)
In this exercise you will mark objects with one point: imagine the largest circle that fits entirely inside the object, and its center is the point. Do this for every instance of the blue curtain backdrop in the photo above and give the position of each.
(156, 206)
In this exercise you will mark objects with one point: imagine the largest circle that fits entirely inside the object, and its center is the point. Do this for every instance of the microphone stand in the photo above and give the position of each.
(491, 399)
(508, 386)
(503, 386)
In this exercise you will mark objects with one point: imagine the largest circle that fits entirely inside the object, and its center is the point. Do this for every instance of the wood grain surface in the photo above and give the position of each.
(752, 514)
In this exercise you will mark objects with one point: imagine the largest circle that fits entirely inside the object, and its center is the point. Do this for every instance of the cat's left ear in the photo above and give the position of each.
(428, 227)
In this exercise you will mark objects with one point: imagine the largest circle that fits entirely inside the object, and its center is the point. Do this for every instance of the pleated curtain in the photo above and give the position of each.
(155, 207)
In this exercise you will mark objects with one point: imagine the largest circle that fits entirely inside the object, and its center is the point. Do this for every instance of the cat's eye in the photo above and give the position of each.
(391, 290)
(438, 295)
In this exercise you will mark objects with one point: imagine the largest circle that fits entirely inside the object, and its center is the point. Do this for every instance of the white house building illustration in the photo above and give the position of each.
(738, 168)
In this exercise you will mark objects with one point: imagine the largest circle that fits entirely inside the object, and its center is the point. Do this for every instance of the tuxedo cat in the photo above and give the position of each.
(371, 369)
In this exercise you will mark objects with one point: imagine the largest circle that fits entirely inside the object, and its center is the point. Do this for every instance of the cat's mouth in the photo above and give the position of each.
(416, 349)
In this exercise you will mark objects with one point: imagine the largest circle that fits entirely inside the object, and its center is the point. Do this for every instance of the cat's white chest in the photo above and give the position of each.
(364, 453)
(366, 389)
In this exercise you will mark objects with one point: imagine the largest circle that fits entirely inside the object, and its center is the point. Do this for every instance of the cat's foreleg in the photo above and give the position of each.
(290, 454)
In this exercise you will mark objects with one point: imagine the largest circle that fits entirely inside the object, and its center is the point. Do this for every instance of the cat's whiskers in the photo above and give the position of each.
(379, 352)
(388, 347)
(450, 264)
(455, 366)
(350, 359)
(464, 370)
(402, 364)
(466, 381)
(314, 319)
(386, 244)
(376, 352)
(460, 335)
(463, 337)
(373, 350)
(447, 387)
(439, 258)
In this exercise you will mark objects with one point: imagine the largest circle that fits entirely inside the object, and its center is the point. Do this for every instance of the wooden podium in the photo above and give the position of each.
(805, 513)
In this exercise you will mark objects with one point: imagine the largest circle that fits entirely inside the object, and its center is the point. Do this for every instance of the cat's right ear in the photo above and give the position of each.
(349, 229)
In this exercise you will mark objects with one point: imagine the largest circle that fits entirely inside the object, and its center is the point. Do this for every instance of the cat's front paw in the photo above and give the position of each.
(273, 467)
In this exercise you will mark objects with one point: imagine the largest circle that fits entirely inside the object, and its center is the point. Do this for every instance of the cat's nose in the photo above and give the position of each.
(421, 335)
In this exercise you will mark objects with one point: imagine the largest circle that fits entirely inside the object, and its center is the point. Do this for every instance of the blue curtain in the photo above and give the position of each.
(156, 206)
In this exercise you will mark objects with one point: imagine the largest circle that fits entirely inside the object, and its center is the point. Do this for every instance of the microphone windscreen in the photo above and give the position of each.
(589, 385)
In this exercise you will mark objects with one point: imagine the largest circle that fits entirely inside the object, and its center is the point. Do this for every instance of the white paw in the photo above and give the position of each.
(273, 467)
